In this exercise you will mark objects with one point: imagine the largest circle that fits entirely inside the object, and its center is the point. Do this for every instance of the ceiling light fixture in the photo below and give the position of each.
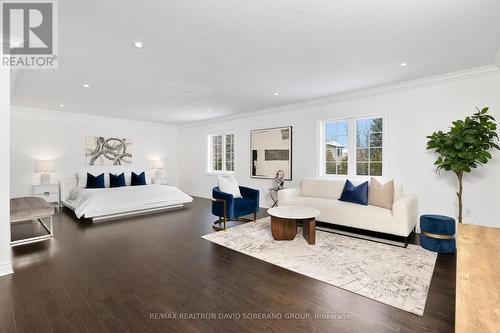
(276, 93)
(403, 64)
(167, 120)
(210, 110)
(86, 85)
(138, 44)
(61, 105)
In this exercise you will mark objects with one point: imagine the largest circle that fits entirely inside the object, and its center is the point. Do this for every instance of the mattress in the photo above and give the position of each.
(90, 203)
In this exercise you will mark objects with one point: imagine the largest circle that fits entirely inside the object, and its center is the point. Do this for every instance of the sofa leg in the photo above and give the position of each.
(255, 216)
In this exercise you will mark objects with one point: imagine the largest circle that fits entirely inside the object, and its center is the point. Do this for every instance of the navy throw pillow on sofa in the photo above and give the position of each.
(95, 182)
(355, 194)
(117, 180)
(138, 179)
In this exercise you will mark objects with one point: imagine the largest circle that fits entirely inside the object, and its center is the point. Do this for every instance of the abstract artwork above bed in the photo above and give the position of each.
(107, 151)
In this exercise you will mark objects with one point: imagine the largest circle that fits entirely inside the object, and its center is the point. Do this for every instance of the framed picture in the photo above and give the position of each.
(107, 151)
(271, 151)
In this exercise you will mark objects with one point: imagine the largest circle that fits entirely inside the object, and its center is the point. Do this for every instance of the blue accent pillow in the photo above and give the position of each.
(95, 182)
(117, 180)
(355, 194)
(138, 179)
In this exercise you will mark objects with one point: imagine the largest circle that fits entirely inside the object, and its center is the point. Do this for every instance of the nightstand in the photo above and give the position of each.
(160, 181)
(49, 192)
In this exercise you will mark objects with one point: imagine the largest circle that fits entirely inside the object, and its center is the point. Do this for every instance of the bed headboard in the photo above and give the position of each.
(67, 184)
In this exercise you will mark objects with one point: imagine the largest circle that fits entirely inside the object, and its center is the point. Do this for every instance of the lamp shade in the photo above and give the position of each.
(44, 166)
(157, 164)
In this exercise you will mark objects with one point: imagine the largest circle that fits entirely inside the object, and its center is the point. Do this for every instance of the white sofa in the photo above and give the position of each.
(323, 194)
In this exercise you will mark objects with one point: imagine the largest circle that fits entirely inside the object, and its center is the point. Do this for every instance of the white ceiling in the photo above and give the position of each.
(231, 56)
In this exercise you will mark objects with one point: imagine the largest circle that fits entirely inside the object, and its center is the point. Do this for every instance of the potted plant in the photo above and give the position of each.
(464, 147)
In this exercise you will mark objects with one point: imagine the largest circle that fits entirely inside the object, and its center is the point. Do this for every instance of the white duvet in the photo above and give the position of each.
(95, 202)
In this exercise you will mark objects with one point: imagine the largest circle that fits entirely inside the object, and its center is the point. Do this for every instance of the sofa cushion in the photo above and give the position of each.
(322, 188)
(355, 194)
(381, 195)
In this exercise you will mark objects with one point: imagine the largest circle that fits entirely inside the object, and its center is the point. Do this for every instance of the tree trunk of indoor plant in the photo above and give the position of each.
(459, 195)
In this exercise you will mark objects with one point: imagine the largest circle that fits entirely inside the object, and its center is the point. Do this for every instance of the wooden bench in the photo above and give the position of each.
(32, 209)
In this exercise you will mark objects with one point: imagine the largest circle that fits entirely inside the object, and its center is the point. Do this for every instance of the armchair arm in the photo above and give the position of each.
(249, 193)
(405, 210)
(218, 206)
(286, 194)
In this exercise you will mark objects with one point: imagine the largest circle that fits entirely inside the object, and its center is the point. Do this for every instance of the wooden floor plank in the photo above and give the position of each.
(117, 276)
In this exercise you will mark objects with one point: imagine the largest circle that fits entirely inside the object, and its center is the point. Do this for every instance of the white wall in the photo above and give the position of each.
(412, 111)
(5, 263)
(59, 135)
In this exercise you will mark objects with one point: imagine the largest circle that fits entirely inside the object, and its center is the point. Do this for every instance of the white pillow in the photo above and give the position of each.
(229, 185)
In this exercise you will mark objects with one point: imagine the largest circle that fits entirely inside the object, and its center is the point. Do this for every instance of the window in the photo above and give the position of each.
(221, 152)
(336, 155)
(352, 147)
(369, 147)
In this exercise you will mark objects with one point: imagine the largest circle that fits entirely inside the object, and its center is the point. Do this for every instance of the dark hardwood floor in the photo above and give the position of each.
(135, 273)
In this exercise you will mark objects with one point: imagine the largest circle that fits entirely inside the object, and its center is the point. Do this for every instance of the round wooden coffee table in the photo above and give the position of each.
(284, 222)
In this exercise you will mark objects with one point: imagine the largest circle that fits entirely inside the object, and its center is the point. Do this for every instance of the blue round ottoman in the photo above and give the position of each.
(437, 233)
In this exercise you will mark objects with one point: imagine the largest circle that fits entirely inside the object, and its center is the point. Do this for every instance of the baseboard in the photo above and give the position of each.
(6, 268)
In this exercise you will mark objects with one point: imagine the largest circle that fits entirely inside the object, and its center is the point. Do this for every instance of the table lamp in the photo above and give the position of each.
(157, 166)
(44, 167)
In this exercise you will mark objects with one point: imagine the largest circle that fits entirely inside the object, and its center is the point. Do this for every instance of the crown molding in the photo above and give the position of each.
(381, 90)
(74, 115)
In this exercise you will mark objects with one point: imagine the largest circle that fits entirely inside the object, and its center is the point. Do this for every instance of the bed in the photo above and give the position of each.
(108, 203)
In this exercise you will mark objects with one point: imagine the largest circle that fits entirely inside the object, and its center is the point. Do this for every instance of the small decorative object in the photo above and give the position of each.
(44, 167)
(110, 151)
(271, 150)
(157, 166)
(464, 147)
(437, 233)
(279, 180)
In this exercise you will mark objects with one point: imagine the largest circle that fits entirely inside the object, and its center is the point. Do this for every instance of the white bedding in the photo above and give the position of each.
(95, 202)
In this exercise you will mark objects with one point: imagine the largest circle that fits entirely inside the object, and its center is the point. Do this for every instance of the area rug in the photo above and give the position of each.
(399, 277)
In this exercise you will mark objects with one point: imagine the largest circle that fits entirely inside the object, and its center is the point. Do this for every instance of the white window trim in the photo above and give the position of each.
(351, 146)
(209, 155)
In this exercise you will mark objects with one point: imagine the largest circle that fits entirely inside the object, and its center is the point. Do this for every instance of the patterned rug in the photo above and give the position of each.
(392, 275)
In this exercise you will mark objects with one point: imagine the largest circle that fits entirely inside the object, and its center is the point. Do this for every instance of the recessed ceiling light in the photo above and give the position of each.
(167, 120)
(276, 93)
(210, 110)
(403, 64)
(138, 44)
(86, 85)
(61, 105)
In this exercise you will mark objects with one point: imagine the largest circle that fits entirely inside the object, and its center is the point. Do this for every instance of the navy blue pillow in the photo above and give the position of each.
(138, 179)
(117, 180)
(95, 182)
(355, 194)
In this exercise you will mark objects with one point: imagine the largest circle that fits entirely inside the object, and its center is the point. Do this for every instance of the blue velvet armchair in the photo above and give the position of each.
(228, 208)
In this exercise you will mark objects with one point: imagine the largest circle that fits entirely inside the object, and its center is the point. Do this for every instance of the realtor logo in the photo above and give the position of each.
(29, 34)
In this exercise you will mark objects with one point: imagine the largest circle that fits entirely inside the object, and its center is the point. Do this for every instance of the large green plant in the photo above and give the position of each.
(464, 147)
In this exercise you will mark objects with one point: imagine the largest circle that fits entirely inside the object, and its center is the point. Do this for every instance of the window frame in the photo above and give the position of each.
(224, 171)
(351, 146)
